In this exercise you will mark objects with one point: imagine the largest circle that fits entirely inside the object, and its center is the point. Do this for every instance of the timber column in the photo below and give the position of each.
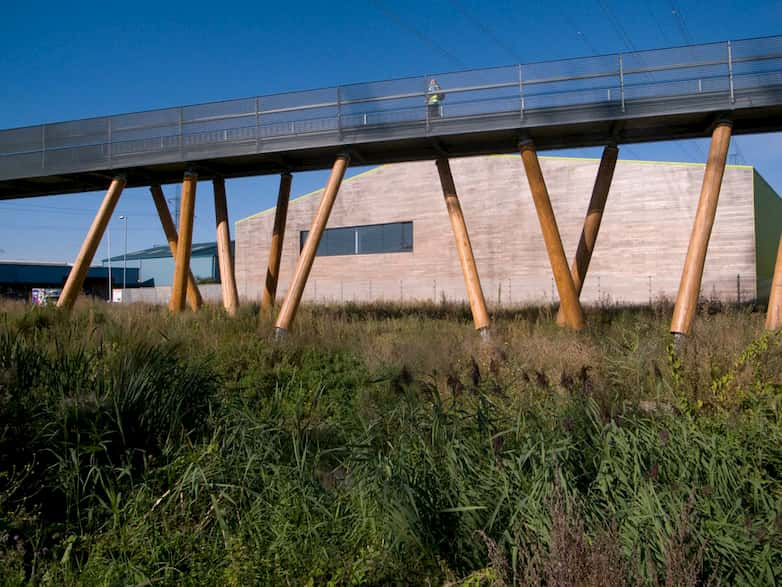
(307, 256)
(275, 250)
(774, 312)
(574, 315)
(78, 273)
(464, 247)
(185, 245)
(692, 274)
(594, 215)
(224, 256)
(194, 299)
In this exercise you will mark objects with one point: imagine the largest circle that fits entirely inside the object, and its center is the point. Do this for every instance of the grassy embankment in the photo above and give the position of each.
(385, 444)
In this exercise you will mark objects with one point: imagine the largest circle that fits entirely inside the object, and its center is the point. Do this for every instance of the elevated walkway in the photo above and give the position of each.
(624, 98)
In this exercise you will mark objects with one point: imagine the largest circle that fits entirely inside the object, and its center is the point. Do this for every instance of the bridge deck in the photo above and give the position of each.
(645, 96)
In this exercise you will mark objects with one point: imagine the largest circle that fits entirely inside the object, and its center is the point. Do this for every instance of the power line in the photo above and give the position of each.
(581, 35)
(738, 154)
(485, 30)
(403, 24)
(621, 32)
(682, 24)
(685, 33)
(58, 227)
(57, 211)
(617, 26)
(663, 36)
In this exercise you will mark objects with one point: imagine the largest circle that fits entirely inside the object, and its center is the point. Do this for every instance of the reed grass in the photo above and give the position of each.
(385, 444)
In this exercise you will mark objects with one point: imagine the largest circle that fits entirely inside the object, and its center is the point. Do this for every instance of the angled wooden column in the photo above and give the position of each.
(692, 274)
(307, 256)
(574, 316)
(774, 312)
(275, 249)
(78, 272)
(185, 244)
(194, 299)
(480, 315)
(594, 215)
(224, 255)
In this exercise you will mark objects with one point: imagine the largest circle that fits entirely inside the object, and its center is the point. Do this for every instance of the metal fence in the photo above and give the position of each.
(685, 79)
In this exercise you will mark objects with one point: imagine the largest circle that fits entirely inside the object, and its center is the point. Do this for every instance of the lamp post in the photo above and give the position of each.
(125, 259)
(111, 285)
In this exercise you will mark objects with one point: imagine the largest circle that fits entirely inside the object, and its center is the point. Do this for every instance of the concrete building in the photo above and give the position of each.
(389, 236)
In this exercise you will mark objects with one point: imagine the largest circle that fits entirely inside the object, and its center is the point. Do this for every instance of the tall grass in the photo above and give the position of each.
(386, 445)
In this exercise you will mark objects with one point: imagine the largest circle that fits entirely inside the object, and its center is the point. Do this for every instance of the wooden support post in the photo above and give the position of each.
(463, 246)
(185, 244)
(692, 274)
(194, 299)
(594, 215)
(774, 312)
(275, 249)
(574, 316)
(78, 273)
(224, 255)
(307, 256)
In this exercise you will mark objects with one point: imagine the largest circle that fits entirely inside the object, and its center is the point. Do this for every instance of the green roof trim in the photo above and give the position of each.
(314, 192)
(506, 155)
(163, 251)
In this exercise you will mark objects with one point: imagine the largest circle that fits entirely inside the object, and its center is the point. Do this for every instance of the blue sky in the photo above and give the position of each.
(67, 60)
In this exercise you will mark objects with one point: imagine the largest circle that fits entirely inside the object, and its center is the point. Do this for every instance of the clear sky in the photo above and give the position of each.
(67, 60)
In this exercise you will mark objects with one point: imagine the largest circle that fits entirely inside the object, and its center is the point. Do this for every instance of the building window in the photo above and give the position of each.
(394, 237)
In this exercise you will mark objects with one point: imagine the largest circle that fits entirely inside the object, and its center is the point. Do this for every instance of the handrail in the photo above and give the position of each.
(516, 79)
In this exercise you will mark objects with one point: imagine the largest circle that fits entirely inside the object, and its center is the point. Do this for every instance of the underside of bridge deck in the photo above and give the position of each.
(393, 150)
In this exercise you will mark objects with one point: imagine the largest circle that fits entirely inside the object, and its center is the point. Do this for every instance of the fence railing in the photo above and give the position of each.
(620, 85)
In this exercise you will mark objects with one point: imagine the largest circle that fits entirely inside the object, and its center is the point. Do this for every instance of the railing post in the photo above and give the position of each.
(181, 138)
(621, 82)
(730, 73)
(108, 144)
(257, 124)
(43, 146)
(339, 112)
(426, 101)
(521, 95)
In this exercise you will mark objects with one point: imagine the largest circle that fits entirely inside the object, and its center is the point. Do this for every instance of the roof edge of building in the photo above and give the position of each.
(312, 193)
(504, 155)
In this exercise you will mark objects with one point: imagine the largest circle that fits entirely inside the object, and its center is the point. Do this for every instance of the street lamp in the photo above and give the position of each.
(111, 285)
(125, 259)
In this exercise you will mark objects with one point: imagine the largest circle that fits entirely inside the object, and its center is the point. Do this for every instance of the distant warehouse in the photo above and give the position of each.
(389, 236)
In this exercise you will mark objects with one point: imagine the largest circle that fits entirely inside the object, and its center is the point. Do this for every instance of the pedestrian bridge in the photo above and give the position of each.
(622, 98)
(713, 90)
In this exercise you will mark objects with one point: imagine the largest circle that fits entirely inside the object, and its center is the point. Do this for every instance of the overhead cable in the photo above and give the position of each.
(425, 39)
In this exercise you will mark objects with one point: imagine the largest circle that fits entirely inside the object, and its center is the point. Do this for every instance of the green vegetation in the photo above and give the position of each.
(387, 445)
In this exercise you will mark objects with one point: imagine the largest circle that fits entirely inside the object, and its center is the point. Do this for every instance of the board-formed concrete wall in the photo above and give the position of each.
(639, 254)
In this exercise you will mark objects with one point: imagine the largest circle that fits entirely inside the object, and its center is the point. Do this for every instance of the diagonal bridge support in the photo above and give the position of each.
(594, 215)
(185, 244)
(194, 298)
(78, 273)
(472, 281)
(293, 298)
(275, 248)
(692, 273)
(774, 310)
(224, 254)
(569, 304)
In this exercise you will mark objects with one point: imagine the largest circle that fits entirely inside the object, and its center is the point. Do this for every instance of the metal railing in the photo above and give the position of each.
(692, 78)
